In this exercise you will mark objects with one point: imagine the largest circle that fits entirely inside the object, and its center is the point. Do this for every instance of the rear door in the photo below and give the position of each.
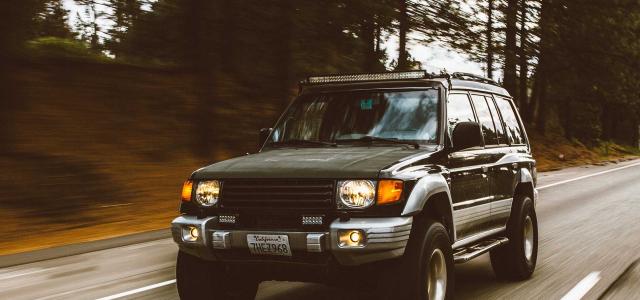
(507, 169)
(470, 186)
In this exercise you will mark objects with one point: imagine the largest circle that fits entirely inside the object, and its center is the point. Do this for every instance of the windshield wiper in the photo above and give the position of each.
(304, 142)
(372, 139)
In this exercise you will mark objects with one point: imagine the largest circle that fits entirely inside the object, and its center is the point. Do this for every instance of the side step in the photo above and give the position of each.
(467, 253)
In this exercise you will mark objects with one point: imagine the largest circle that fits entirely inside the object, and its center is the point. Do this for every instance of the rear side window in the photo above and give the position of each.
(485, 120)
(500, 134)
(514, 131)
(459, 110)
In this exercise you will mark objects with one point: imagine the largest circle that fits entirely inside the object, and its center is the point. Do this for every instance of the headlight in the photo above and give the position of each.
(356, 193)
(208, 192)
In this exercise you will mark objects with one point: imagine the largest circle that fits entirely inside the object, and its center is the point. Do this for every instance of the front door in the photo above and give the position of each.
(470, 182)
(470, 192)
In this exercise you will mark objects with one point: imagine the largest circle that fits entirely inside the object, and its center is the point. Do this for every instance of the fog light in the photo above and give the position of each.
(190, 233)
(355, 237)
(194, 233)
(351, 239)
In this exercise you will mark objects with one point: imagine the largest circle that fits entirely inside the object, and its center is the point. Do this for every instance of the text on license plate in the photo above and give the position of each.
(269, 244)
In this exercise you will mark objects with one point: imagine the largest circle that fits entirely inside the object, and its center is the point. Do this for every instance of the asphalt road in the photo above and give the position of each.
(589, 220)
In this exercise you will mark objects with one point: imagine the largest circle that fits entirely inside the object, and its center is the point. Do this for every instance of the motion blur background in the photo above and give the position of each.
(106, 106)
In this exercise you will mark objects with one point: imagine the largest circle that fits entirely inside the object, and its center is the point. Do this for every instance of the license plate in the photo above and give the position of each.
(269, 244)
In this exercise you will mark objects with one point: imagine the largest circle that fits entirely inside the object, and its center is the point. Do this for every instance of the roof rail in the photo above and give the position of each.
(473, 77)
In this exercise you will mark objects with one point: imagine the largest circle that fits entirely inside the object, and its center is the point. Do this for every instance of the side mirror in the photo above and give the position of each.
(467, 135)
(263, 136)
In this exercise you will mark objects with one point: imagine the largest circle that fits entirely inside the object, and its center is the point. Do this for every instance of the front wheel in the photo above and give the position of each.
(200, 279)
(426, 270)
(517, 259)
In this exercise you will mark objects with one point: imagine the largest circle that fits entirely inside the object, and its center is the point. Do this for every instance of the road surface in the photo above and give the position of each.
(589, 219)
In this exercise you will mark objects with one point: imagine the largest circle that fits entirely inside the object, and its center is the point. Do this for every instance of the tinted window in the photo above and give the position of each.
(514, 131)
(501, 135)
(459, 110)
(485, 120)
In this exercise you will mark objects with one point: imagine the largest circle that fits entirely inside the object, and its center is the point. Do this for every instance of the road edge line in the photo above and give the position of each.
(587, 176)
(22, 258)
(138, 290)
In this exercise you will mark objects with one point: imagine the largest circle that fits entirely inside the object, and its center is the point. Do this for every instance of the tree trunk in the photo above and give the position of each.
(285, 51)
(510, 76)
(542, 80)
(524, 68)
(199, 31)
(368, 45)
(229, 36)
(490, 40)
(403, 28)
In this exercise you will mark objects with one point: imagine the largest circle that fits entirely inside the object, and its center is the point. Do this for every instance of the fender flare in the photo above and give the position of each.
(525, 177)
(423, 191)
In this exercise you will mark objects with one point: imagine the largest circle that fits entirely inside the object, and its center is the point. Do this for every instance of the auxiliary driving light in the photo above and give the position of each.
(227, 219)
(312, 220)
(190, 233)
(351, 239)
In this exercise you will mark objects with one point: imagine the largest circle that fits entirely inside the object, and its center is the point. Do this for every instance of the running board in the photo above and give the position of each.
(468, 253)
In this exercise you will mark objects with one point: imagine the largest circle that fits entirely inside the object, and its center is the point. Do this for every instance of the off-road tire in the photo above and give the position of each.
(426, 238)
(509, 262)
(200, 279)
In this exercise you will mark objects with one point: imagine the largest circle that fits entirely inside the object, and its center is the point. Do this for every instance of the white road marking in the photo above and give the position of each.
(115, 205)
(17, 273)
(587, 176)
(583, 287)
(139, 290)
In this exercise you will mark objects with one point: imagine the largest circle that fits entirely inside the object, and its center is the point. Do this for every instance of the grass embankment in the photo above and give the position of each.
(555, 152)
(99, 150)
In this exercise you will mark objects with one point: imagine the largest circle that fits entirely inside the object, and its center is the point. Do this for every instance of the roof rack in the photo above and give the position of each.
(473, 77)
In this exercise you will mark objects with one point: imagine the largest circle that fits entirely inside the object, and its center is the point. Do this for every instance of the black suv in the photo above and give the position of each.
(367, 180)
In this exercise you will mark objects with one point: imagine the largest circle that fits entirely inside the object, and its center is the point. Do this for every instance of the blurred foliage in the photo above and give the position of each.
(575, 59)
(60, 48)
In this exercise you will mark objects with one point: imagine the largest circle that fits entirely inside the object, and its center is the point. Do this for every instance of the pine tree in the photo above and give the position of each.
(53, 20)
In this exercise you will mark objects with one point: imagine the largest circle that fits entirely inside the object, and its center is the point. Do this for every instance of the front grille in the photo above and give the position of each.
(277, 193)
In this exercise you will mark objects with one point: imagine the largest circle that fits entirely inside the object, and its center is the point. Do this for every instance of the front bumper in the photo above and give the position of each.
(385, 238)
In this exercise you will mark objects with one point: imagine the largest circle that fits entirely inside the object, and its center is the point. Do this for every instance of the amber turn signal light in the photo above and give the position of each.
(389, 191)
(187, 187)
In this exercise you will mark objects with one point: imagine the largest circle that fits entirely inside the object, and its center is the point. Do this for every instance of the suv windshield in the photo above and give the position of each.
(371, 116)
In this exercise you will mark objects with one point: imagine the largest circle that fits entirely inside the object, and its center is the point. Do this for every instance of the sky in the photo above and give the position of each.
(433, 57)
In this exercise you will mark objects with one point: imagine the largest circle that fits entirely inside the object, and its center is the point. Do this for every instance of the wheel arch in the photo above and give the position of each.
(431, 197)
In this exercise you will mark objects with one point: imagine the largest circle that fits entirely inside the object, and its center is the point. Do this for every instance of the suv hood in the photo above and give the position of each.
(343, 162)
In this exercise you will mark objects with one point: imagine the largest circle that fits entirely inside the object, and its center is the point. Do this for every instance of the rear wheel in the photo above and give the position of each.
(517, 259)
(200, 279)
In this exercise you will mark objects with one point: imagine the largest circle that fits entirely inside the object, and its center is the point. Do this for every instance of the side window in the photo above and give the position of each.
(514, 131)
(500, 133)
(459, 110)
(486, 121)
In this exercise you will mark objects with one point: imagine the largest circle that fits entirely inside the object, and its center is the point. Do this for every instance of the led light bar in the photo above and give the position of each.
(312, 220)
(227, 219)
(368, 77)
